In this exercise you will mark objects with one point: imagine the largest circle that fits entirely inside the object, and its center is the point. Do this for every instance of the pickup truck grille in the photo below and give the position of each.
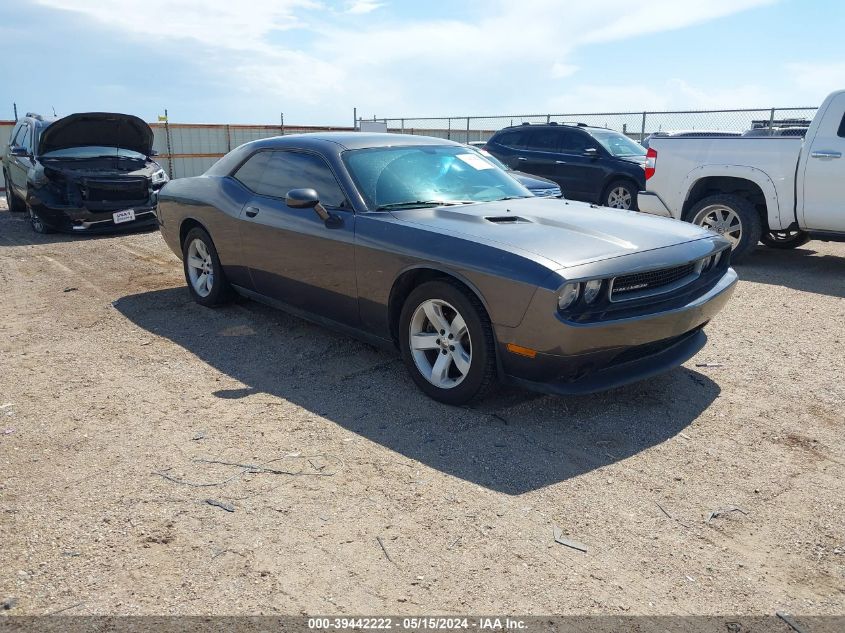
(637, 284)
(104, 191)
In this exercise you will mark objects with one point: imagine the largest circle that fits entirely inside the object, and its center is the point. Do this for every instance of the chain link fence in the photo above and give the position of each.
(637, 125)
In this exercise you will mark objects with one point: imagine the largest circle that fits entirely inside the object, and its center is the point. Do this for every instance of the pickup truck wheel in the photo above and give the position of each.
(15, 204)
(620, 194)
(203, 271)
(733, 217)
(446, 342)
(784, 239)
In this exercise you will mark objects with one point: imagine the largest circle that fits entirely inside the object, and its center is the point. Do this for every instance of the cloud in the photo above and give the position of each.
(360, 7)
(817, 80)
(305, 55)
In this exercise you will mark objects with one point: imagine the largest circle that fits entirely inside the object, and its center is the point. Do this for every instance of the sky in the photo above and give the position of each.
(221, 61)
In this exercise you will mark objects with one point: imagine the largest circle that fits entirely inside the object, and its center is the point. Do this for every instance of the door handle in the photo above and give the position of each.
(251, 212)
(560, 162)
(520, 158)
(825, 154)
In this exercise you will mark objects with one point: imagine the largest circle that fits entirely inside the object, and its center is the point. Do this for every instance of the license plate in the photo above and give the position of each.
(127, 215)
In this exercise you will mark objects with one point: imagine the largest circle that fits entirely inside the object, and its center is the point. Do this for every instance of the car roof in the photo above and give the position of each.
(350, 140)
(555, 126)
(39, 120)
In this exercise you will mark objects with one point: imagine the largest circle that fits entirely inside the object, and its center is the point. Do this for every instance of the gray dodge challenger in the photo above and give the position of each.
(422, 244)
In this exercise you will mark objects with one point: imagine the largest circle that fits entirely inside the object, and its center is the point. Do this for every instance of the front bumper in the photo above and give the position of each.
(82, 220)
(650, 202)
(589, 357)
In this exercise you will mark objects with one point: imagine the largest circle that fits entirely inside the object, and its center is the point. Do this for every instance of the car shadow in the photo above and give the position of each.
(801, 269)
(16, 231)
(512, 442)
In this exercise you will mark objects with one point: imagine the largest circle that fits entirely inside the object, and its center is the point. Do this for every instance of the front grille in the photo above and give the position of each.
(637, 283)
(547, 193)
(116, 190)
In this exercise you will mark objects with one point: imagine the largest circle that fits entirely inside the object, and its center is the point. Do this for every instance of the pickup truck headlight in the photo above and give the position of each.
(567, 295)
(159, 177)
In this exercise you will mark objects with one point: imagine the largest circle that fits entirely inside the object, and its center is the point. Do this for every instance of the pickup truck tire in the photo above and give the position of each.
(620, 194)
(733, 217)
(784, 239)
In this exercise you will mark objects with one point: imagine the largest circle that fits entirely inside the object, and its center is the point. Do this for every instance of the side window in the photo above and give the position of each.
(841, 131)
(514, 138)
(26, 140)
(574, 142)
(15, 133)
(544, 140)
(251, 172)
(298, 170)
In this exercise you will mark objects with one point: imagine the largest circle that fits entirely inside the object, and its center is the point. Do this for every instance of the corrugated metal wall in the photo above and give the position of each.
(195, 147)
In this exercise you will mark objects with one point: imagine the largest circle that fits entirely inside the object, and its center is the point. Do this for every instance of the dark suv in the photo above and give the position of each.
(589, 163)
(88, 172)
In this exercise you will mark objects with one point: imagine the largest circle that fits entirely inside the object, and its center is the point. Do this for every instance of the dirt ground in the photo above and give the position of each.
(115, 386)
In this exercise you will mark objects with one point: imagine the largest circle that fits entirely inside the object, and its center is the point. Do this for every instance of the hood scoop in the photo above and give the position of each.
(507, 219)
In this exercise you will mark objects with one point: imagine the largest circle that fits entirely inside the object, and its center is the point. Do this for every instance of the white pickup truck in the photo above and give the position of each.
(780, 190)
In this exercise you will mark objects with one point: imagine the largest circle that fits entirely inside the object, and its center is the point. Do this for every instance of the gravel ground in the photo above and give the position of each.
(114, 386)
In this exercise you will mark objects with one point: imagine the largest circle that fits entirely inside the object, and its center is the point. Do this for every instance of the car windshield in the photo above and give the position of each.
(92, 151)
(618, 144)
(425, 175)
(491, 158)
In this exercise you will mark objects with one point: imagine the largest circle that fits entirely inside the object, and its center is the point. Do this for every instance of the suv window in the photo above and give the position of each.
(544, 140)
(574, 142)
(15, 133)
(274, 173)
(26, 141)
(841, 131)
(513, 138)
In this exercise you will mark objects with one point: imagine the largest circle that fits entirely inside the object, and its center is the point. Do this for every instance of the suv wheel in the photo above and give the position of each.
(446, 342)
(38, 225)
(732, 217)
(620, 194)
(15, 204)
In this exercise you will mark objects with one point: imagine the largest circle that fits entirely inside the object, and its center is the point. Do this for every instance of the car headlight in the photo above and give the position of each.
(591, 290)
(567, 295)
(159, 177)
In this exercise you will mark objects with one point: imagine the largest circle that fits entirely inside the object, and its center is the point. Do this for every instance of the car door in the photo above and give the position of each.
(824, 171)
(580, 174)
(538, 153)
(19, 166)
(292, 254)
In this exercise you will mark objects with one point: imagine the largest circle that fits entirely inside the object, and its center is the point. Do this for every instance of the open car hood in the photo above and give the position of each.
(108, 129)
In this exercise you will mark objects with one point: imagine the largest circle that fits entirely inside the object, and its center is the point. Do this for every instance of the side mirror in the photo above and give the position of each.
(306, 199)
(152, 153)
(17, 150)
(591, 152)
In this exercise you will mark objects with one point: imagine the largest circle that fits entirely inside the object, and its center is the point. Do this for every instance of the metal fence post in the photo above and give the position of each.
(354, 119)
(228, 138)
(642, 129)
(169, 145)
(402, 123)
(449, 129)
(771, 121)
(548, 119)
(282, 122)
(467, 130)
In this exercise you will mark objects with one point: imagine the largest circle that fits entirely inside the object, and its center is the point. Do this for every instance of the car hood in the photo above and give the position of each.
(108, 129)
(563, 232)
(530, 181)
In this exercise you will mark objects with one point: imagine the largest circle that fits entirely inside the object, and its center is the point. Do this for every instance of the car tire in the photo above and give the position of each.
(620, 194)
(204, 274)
(15, 204)
(733, 217)
(38, 225)
(784, 240)
(447, 342)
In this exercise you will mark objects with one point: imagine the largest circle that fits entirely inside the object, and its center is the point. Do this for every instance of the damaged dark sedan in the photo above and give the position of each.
(424, 245)
(84, 173)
